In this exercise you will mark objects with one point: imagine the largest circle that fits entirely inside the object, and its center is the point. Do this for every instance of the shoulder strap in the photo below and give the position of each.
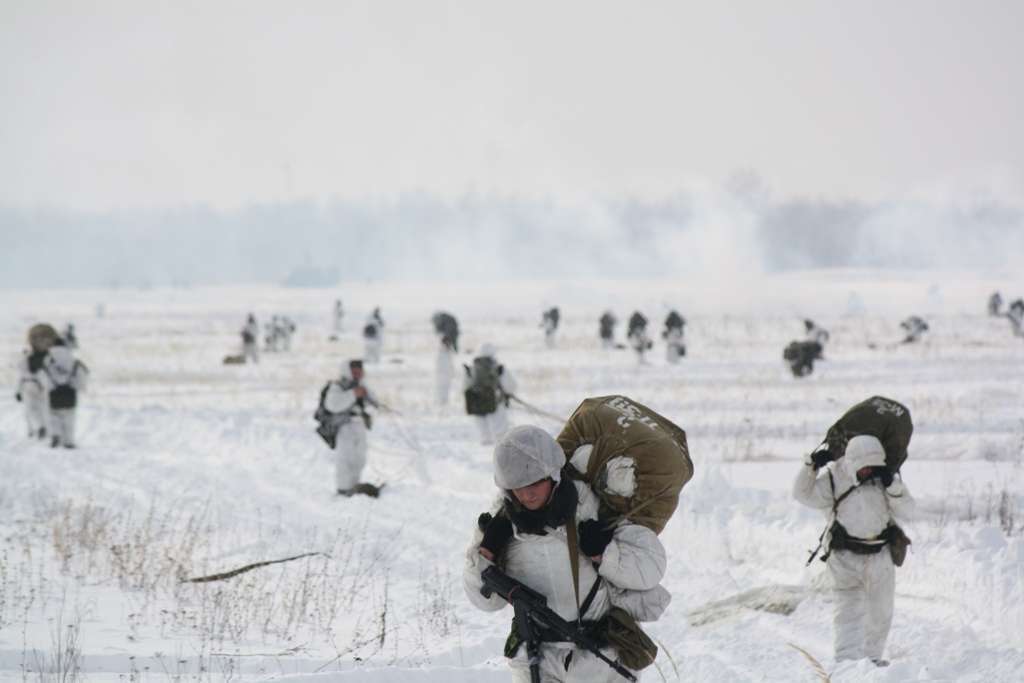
(574, 561)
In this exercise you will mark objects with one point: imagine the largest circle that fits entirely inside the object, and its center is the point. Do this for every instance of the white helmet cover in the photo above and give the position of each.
(863, 451)
(524, 456)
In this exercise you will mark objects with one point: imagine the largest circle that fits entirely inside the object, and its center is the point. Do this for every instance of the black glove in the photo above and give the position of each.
(822, 458)
(497, 533)
(17, 397)
(884, 475)
(594, 537)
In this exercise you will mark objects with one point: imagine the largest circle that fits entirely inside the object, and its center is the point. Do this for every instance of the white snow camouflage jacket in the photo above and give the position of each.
(631, 569)
(867, 511)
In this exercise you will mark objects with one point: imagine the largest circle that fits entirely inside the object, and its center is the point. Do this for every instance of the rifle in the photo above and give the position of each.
(532, 612)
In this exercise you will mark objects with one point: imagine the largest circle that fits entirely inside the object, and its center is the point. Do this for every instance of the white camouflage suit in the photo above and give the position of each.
(631, 567)
(251, 349)
(64, 371)
(445, 372)
(33, 388)
(350, 443)
(494, 425)
(864, 585)
(673, 344)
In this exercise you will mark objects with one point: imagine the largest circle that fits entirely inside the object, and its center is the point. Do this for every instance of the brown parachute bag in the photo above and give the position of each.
(42, 336)
(883, 418)
(619, 426)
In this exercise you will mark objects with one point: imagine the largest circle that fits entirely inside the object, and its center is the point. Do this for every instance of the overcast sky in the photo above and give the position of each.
(115, 105)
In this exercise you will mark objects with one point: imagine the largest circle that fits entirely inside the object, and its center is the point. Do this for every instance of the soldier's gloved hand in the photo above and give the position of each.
(883, 474)
(594, 537)
(496, 535)
(17, 397)
(823, 457)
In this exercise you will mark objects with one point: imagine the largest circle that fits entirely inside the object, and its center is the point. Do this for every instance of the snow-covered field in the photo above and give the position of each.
(187, 467)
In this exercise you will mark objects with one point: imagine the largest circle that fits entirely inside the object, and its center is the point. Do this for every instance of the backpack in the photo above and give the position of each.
(883, 418)
(619, 426)
(482, 393)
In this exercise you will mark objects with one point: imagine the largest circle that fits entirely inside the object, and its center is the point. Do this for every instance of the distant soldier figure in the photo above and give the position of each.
(272, 340)
(344, 423)
(815, 332)
(606, 329)
(995, 304)
(287, 329)
(801, 356)
(339, 315)
(66, 376)
(673, 336)
(1015, 313)
(32, 392)
(637, 336)
(250, 339)
(549, 322)
(373, 336)
(915, 327)
(447, 329)
(70, 338)
(487, 388)
(863, 498)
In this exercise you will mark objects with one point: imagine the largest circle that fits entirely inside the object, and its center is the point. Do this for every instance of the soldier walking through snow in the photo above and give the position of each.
(250, 340)
(549, 321)
(373, 336)
(447, 329)
(32, 392)
(637, 336)
(862, 499)
(344, 423)
(673, 336)
(544, 532)
(66, 376)
(487, 388)
(606, 330)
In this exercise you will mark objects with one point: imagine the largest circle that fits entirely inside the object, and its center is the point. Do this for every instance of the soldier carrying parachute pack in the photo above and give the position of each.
(861, 456)
(577, 529)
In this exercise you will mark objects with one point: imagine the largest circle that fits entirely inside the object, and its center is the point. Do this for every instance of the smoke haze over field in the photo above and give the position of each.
(709, 234)
(235, 141)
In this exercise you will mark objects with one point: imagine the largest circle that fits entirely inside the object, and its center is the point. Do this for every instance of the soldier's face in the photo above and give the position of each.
(357, 373)
(536, 495)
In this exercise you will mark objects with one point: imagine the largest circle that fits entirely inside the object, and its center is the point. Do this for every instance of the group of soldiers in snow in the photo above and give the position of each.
(278, 336)
(572, 540)
(639, 340)
(49, 380)
(1014, 312)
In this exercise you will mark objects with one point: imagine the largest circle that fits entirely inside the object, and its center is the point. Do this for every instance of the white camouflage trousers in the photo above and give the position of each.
(251, 352)
(865, 586)
(371, 353)
(36, 403)
(492, 426)
(349, 454)
(583, 666)
(62, 425)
